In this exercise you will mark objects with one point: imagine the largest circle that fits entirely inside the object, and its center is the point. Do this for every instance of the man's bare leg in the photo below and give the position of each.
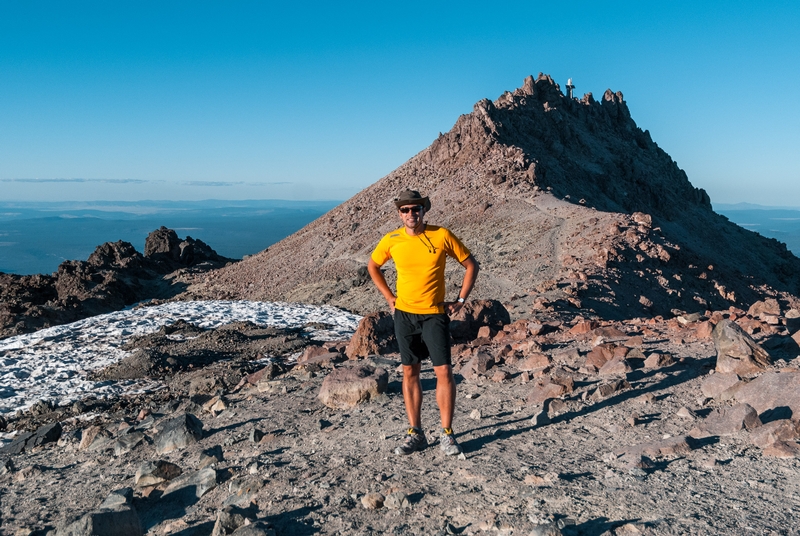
(445, 394)
(412, 394)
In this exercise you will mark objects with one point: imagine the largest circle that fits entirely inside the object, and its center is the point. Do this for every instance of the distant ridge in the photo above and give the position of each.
(566, 203)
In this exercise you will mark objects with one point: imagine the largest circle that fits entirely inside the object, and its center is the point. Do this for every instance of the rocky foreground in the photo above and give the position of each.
(685, 425)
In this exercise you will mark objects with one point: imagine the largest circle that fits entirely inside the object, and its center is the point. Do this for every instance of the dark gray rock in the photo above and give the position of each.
(178, 433)
(231, 518)
(118, 498)
(126, 443)
(192, 485)
(119, 521)
(210, 456)
(155, 472)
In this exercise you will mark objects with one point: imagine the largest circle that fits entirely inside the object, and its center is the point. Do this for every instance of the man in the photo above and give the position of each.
(421, 318)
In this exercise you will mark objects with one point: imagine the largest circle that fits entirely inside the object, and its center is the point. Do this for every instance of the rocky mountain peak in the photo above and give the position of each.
(551, 194)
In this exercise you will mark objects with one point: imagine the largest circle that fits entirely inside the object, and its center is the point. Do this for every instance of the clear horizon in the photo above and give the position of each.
(132, 101)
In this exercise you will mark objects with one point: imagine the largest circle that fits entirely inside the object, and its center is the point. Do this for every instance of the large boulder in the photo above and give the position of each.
(737, 352)
(374, 336)
(120, 521)
(348, 386)
(772, 391)
(726, 421)
(178, 433)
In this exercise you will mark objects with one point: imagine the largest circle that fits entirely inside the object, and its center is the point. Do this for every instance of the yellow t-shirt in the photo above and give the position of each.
(420, 261)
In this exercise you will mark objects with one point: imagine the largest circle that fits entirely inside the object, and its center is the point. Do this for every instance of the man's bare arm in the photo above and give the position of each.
(470, 275)
(380, 282)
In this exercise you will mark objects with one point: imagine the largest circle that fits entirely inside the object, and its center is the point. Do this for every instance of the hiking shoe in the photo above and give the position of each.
(414, 441)
(448, 444)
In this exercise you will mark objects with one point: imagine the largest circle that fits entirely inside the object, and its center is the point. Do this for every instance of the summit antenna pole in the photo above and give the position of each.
(570, 87)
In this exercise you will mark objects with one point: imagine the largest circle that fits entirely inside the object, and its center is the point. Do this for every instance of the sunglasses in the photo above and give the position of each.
(414, 209)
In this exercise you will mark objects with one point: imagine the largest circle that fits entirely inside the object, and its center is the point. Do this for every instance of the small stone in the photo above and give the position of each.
(210, 456)
(396, 501)
(647, 398)
(126, 443)
(471, 396)
(372, 501)
(500, 376)
(656, 360)
(256, 435)
(155, 472)
(708, 462)
(633, 419)
(475, 414)
(686, 413)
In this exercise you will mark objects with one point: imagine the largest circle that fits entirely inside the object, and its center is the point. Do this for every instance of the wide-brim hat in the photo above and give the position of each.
(412, 197)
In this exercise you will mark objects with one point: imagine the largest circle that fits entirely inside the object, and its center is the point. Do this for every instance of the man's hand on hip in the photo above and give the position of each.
(453, 307)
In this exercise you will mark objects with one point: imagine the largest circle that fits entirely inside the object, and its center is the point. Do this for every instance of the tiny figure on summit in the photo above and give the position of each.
(420, 311)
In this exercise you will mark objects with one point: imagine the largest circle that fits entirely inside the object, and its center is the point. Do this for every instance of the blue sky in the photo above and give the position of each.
(232, 100)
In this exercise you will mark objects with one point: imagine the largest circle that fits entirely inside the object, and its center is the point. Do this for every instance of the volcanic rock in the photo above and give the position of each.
(772, 390)
(374, 336)
(737, 352)
(348, 386)
(725, 421)
(178, 433)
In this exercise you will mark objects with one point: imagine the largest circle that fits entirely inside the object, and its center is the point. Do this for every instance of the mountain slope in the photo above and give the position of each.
(564, 202)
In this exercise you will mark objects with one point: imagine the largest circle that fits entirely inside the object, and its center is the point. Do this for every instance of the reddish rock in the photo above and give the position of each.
(770, 306)
(599, 355)
(325, 360)
(634, 342)
(311, 351)
(500, 376)
(726, 421)
(570, 356)
(374, 335)
(783, 449)
(615, 367)
(475, 314)
(485, 332)
(564, 381)
(738, 352)
(348, 386)
(656, 360)
(582, 327)
(534, 361)
(609, 333)
(703, 330)
(621, 351)
(716, 384)
(772, 390)
(544, 389)
(477, 365)
(604, 390)
(526, 347)
(771, 432)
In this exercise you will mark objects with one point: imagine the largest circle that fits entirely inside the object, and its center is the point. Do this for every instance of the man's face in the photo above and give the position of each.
(412, 215)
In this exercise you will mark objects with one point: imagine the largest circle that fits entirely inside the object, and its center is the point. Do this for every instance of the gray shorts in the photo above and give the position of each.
(423, 336)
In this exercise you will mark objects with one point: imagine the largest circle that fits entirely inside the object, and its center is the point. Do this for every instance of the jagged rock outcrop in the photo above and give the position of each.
(567, 200)
(114, 276)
